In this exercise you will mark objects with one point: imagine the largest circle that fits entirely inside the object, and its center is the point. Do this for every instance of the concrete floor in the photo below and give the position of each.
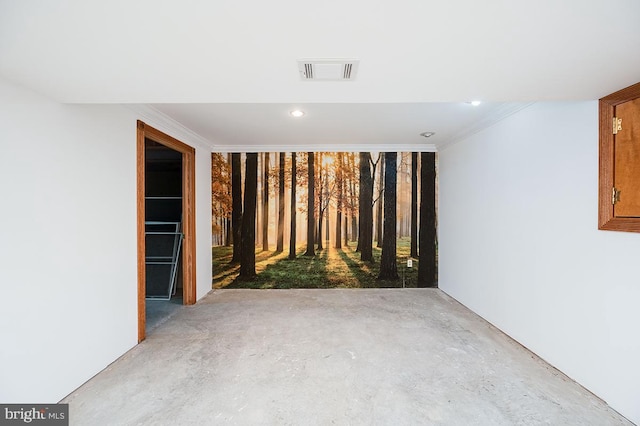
(159, 311)
(319, 357)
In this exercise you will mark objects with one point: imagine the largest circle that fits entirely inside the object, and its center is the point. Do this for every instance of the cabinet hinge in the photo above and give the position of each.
(615, 196)
(617, 125)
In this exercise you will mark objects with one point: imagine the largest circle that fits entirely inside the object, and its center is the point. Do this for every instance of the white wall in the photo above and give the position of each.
(519, 245)
(204, 266)
(68, 252)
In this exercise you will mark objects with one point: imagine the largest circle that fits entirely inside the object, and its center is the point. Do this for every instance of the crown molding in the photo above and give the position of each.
(168, 125)
(327, 148)
(499, 115)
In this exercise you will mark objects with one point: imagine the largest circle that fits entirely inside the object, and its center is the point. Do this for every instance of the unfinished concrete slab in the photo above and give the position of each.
(159, 311)
(318, 357)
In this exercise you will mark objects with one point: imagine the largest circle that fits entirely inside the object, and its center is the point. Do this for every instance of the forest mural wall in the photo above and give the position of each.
(324, 219)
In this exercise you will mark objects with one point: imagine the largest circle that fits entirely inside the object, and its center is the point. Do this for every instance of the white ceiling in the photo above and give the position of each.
(345, 126)
(227, 68)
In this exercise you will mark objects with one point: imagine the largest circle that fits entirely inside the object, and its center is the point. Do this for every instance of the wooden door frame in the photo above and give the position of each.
(188, 221)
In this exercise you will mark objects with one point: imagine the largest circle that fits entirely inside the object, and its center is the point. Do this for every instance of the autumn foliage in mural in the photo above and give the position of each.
(348, 219)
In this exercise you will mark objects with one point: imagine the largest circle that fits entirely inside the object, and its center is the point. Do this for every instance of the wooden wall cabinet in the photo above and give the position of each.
(619, 174)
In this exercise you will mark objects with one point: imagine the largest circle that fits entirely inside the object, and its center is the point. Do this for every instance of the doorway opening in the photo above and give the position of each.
(163, 232)
(166, 224)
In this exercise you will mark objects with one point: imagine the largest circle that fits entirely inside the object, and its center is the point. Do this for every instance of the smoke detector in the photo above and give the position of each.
(328, 69)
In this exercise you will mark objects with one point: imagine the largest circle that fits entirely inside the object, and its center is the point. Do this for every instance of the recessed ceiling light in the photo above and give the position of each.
(474, 103)
(296, 113)
(427, 134)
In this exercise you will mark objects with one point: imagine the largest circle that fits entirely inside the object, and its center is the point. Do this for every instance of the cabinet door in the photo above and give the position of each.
(626, 178)
(619, 170)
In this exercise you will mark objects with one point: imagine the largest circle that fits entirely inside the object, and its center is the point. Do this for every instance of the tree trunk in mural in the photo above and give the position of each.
(339, 161)
(229, 235)
(320, 201)
(366, 209)
(327, 212)
(346, 229)
(379, 234)
(310, 205)
(227, 229)
(236, 204)
(292, 238)
(327, 200)
(280, 239)
(427, 264)
(360, 203)
(388, 266)
(414, 205)
(265, 203)
(248, 257)
(352, 193)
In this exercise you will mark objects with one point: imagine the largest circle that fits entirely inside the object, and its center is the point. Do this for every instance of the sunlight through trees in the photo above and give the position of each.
(333, 199)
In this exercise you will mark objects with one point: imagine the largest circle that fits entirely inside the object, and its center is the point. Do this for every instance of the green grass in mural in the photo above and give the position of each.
(329, 268)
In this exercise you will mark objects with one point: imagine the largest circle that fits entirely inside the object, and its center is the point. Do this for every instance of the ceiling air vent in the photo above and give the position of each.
(328, 69)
